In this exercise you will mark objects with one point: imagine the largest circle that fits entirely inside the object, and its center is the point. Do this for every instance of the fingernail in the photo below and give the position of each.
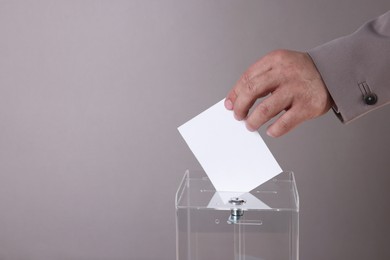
(237, 117)
(228, 104)
(250, 128)
(270, 134)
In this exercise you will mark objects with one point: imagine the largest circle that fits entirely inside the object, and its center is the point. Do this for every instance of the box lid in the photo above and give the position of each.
(278, 194)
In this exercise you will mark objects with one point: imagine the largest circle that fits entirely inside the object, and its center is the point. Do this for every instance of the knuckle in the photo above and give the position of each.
(248, 83)
(284, 125)
(264, 109)
(278, 55)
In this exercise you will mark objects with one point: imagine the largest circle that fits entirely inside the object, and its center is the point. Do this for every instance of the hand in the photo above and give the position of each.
(294, 84)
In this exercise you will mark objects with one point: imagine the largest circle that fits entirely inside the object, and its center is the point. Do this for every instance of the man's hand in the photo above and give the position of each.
(294, 84)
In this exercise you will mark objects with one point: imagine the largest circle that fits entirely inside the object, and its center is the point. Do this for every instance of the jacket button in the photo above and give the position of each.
(370, 99)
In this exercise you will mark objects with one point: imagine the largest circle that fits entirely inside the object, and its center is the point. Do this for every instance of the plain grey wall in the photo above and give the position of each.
(91, 93)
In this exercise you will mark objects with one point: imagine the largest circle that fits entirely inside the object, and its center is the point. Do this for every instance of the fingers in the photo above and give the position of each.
(267, 109)
(294, 85)
(286, 122)
(248, 89)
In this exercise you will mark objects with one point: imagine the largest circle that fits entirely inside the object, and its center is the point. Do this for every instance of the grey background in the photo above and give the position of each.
(91, 93)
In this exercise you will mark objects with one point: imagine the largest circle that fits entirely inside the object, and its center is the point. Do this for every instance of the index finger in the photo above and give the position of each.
(247, 81)
(248, 89)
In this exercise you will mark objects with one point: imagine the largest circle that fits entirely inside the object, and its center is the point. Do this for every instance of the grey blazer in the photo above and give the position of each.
(356, 69)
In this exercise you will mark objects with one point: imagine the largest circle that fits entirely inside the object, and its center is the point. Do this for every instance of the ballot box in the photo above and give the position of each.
(260, 225)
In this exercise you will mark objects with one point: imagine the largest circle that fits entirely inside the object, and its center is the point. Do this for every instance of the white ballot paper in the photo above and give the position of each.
(221, 199)
(234, 158)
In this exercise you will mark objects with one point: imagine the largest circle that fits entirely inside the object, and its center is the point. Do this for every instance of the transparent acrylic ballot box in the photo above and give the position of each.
(260, 225)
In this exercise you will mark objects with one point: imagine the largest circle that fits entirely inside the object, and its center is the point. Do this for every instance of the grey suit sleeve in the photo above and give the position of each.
(356, 69)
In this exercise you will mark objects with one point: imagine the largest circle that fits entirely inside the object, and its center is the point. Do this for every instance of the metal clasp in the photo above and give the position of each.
(236, 213)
